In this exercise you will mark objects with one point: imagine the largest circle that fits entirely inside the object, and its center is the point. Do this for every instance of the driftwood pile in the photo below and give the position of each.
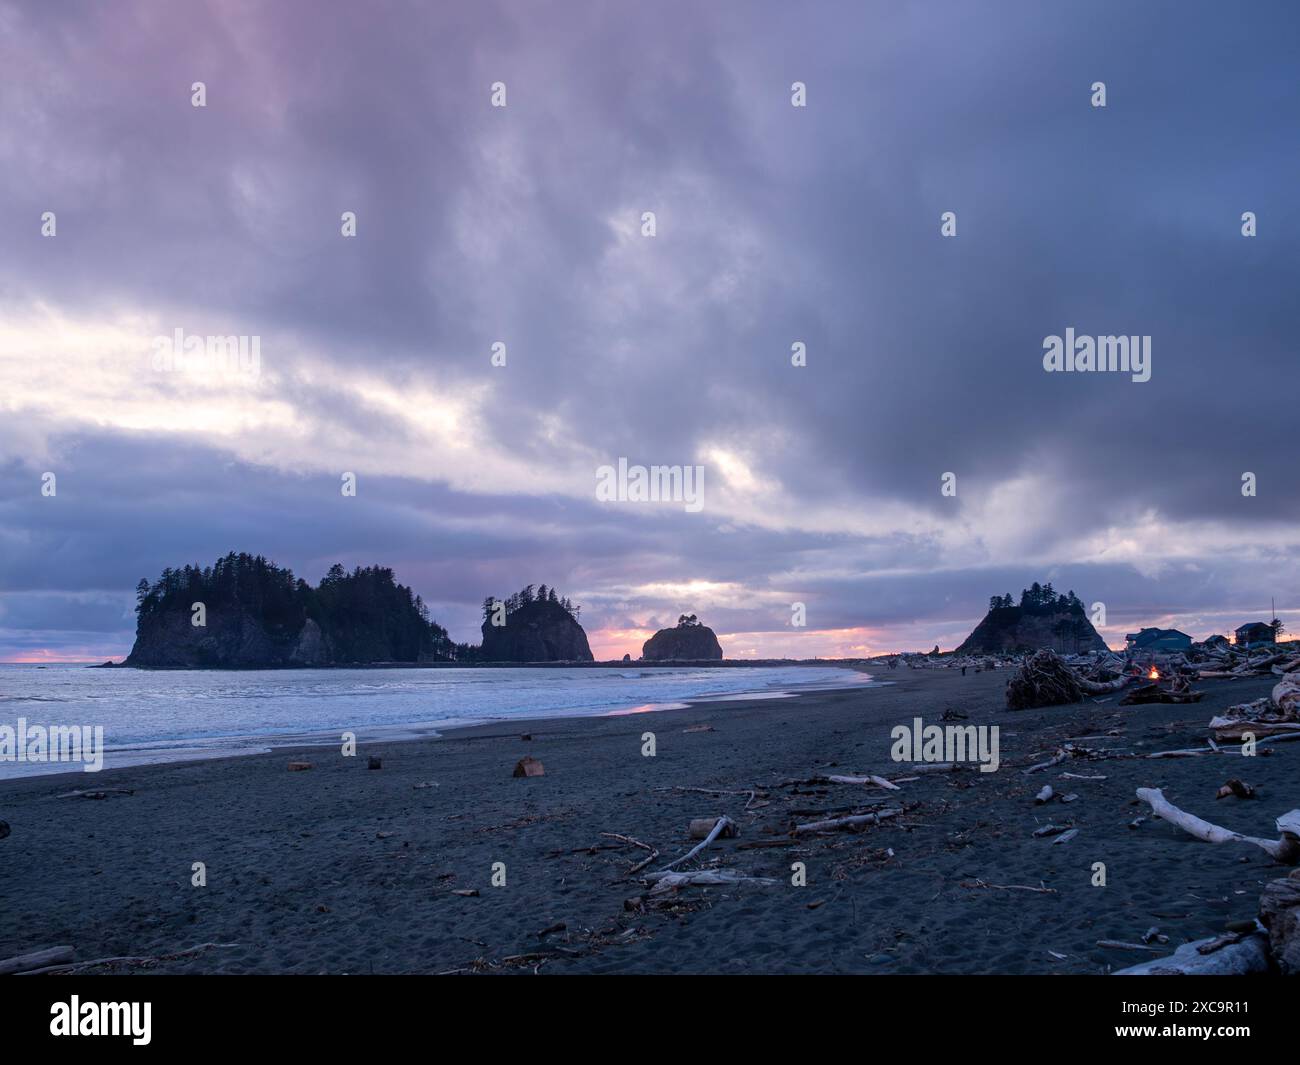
(1274, 715)
(1045, 679)
(1233, 665)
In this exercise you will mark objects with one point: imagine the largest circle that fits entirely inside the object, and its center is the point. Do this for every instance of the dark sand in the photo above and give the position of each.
(342, 869)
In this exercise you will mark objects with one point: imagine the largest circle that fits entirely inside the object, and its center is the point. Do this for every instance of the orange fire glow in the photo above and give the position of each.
(1154, 674)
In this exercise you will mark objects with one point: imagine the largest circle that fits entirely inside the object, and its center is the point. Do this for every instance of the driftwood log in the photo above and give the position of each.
(723, 825)
(38, 959)
(1248, 955)
(1153, 693)
(854, 821)
(1285, 850)
(879, 782)
(665, 881)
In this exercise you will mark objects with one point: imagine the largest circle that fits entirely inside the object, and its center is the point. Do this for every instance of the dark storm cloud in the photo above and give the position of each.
(776, 224)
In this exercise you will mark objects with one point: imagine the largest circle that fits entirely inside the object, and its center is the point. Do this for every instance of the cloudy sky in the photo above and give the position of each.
(774, 224)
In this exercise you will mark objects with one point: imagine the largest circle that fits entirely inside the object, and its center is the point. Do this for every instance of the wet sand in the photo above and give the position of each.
(342, 869)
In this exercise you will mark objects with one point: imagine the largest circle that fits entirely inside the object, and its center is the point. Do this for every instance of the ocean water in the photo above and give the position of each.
(179, 715)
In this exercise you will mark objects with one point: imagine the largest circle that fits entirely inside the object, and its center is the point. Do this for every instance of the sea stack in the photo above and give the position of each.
(689, 641)
(1042, 619)
(535, 627)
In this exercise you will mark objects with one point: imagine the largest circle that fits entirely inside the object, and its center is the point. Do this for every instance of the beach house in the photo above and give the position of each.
(1254, 633)
(1153, 639)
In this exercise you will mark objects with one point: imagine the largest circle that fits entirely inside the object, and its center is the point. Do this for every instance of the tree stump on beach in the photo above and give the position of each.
(528, 766)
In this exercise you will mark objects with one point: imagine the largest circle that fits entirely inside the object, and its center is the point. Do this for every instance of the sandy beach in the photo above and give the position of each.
(343, 869)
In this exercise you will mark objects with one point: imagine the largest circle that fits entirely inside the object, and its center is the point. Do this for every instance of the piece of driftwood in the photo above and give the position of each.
(37, 959)
(753, 793)
(1219, 942)
(1187, 752)
(1065, 837)
(719, 827)
(1248, 956)
(665, 880)
(298, 767)
(100, 793)
(1060, 756)
(1153, 693)
(128, 960)
(654, 853)
(1119, 944)
(879, 782)
(1101, 687)
(1045, 795)
(1285, 850)
(1227, 728)
(854, 821)
(1236, 787)
(1008, 887)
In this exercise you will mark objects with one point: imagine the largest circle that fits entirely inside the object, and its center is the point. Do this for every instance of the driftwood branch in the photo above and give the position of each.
(635, 843)
(855, 821)
(879, 782)
(722, 824)
(1285, 850)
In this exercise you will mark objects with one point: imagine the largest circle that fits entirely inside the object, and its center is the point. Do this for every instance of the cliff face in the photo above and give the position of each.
(536, 632)
(685, 643)
(1013, 628)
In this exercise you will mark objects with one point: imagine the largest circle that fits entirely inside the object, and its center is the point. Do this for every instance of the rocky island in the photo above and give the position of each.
(532, 626)
(245, 612)
(1043, 618)
(689, 641)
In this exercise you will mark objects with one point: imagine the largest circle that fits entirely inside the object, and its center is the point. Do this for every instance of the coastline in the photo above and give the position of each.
(341, 869)
(608, 663)
(201, 742)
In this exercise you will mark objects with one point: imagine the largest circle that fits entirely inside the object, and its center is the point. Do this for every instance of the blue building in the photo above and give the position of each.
(1153, 639)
